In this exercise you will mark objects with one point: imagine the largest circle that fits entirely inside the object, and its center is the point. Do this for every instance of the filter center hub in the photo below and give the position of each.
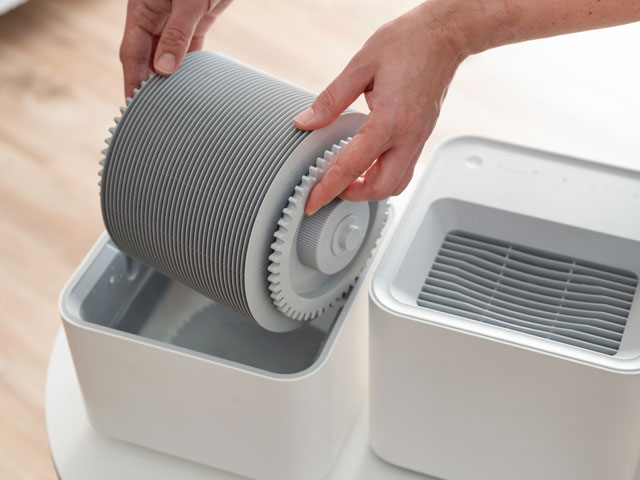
(330, 239)
(347, 237)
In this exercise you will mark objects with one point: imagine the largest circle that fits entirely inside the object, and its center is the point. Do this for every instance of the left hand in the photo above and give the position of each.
(158, 33)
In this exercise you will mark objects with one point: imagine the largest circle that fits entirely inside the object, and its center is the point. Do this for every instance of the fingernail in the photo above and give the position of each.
(305, 117)
(309, 211)
(166, 63)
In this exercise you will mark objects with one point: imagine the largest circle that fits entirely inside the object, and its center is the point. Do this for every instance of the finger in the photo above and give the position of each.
(382, 178)
(408, 175)
(176, 35)
(332, 101)
(135, 52)
(355, 159)
(197, 42)
(154, 45)
(218, 6)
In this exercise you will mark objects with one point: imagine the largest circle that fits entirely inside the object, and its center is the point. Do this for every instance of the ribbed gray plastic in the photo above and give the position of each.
(317, 244)
(531, 291)
(190, 166)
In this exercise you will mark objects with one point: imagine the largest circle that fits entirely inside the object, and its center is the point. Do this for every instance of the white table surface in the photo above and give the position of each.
(577, 95)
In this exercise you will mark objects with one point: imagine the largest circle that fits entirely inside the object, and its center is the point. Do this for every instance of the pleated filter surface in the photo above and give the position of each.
(191, 163)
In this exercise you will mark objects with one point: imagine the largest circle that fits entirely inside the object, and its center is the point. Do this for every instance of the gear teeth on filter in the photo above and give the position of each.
(285, 232)
(295, 201)
(112, 130)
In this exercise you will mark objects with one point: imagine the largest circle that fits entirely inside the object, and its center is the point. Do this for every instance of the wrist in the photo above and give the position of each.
(471, 26)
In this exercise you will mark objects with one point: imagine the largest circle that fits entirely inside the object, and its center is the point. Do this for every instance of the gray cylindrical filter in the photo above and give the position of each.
(205, 178)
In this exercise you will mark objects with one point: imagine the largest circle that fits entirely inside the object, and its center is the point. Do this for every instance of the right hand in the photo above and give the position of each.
(404, 71)
(158, 33)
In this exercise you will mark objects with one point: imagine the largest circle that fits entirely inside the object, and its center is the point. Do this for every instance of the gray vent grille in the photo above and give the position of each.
(531, 291)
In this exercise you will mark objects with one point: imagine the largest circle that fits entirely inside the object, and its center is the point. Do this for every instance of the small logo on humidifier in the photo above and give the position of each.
(533, 172)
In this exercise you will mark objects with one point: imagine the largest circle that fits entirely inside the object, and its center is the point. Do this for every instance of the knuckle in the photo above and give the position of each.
(173, 37)
(396, 121)
(128, 56)
(341, 168)
(380, 126)
(326, 101)
(148, 19)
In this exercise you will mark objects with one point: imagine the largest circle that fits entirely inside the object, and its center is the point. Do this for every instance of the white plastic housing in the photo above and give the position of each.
(259, 404)
(461, 399)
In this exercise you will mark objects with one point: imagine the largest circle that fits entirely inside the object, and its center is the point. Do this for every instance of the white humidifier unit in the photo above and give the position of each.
(505, 320)
(214, 321)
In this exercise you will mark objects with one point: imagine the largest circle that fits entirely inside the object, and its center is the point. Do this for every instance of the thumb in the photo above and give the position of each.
(333, 100)
(176, 36)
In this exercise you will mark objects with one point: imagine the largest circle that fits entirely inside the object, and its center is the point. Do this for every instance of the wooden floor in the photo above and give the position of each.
(60, 87)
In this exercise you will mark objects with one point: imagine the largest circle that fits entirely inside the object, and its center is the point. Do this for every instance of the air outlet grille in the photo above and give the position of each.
(531, 291)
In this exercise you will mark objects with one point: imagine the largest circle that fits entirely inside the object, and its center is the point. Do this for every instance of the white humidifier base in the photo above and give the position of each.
(79, 451)
(505, 320)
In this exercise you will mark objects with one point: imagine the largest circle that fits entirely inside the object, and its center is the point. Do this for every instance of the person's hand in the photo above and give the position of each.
(404, 70)
(158, 33)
